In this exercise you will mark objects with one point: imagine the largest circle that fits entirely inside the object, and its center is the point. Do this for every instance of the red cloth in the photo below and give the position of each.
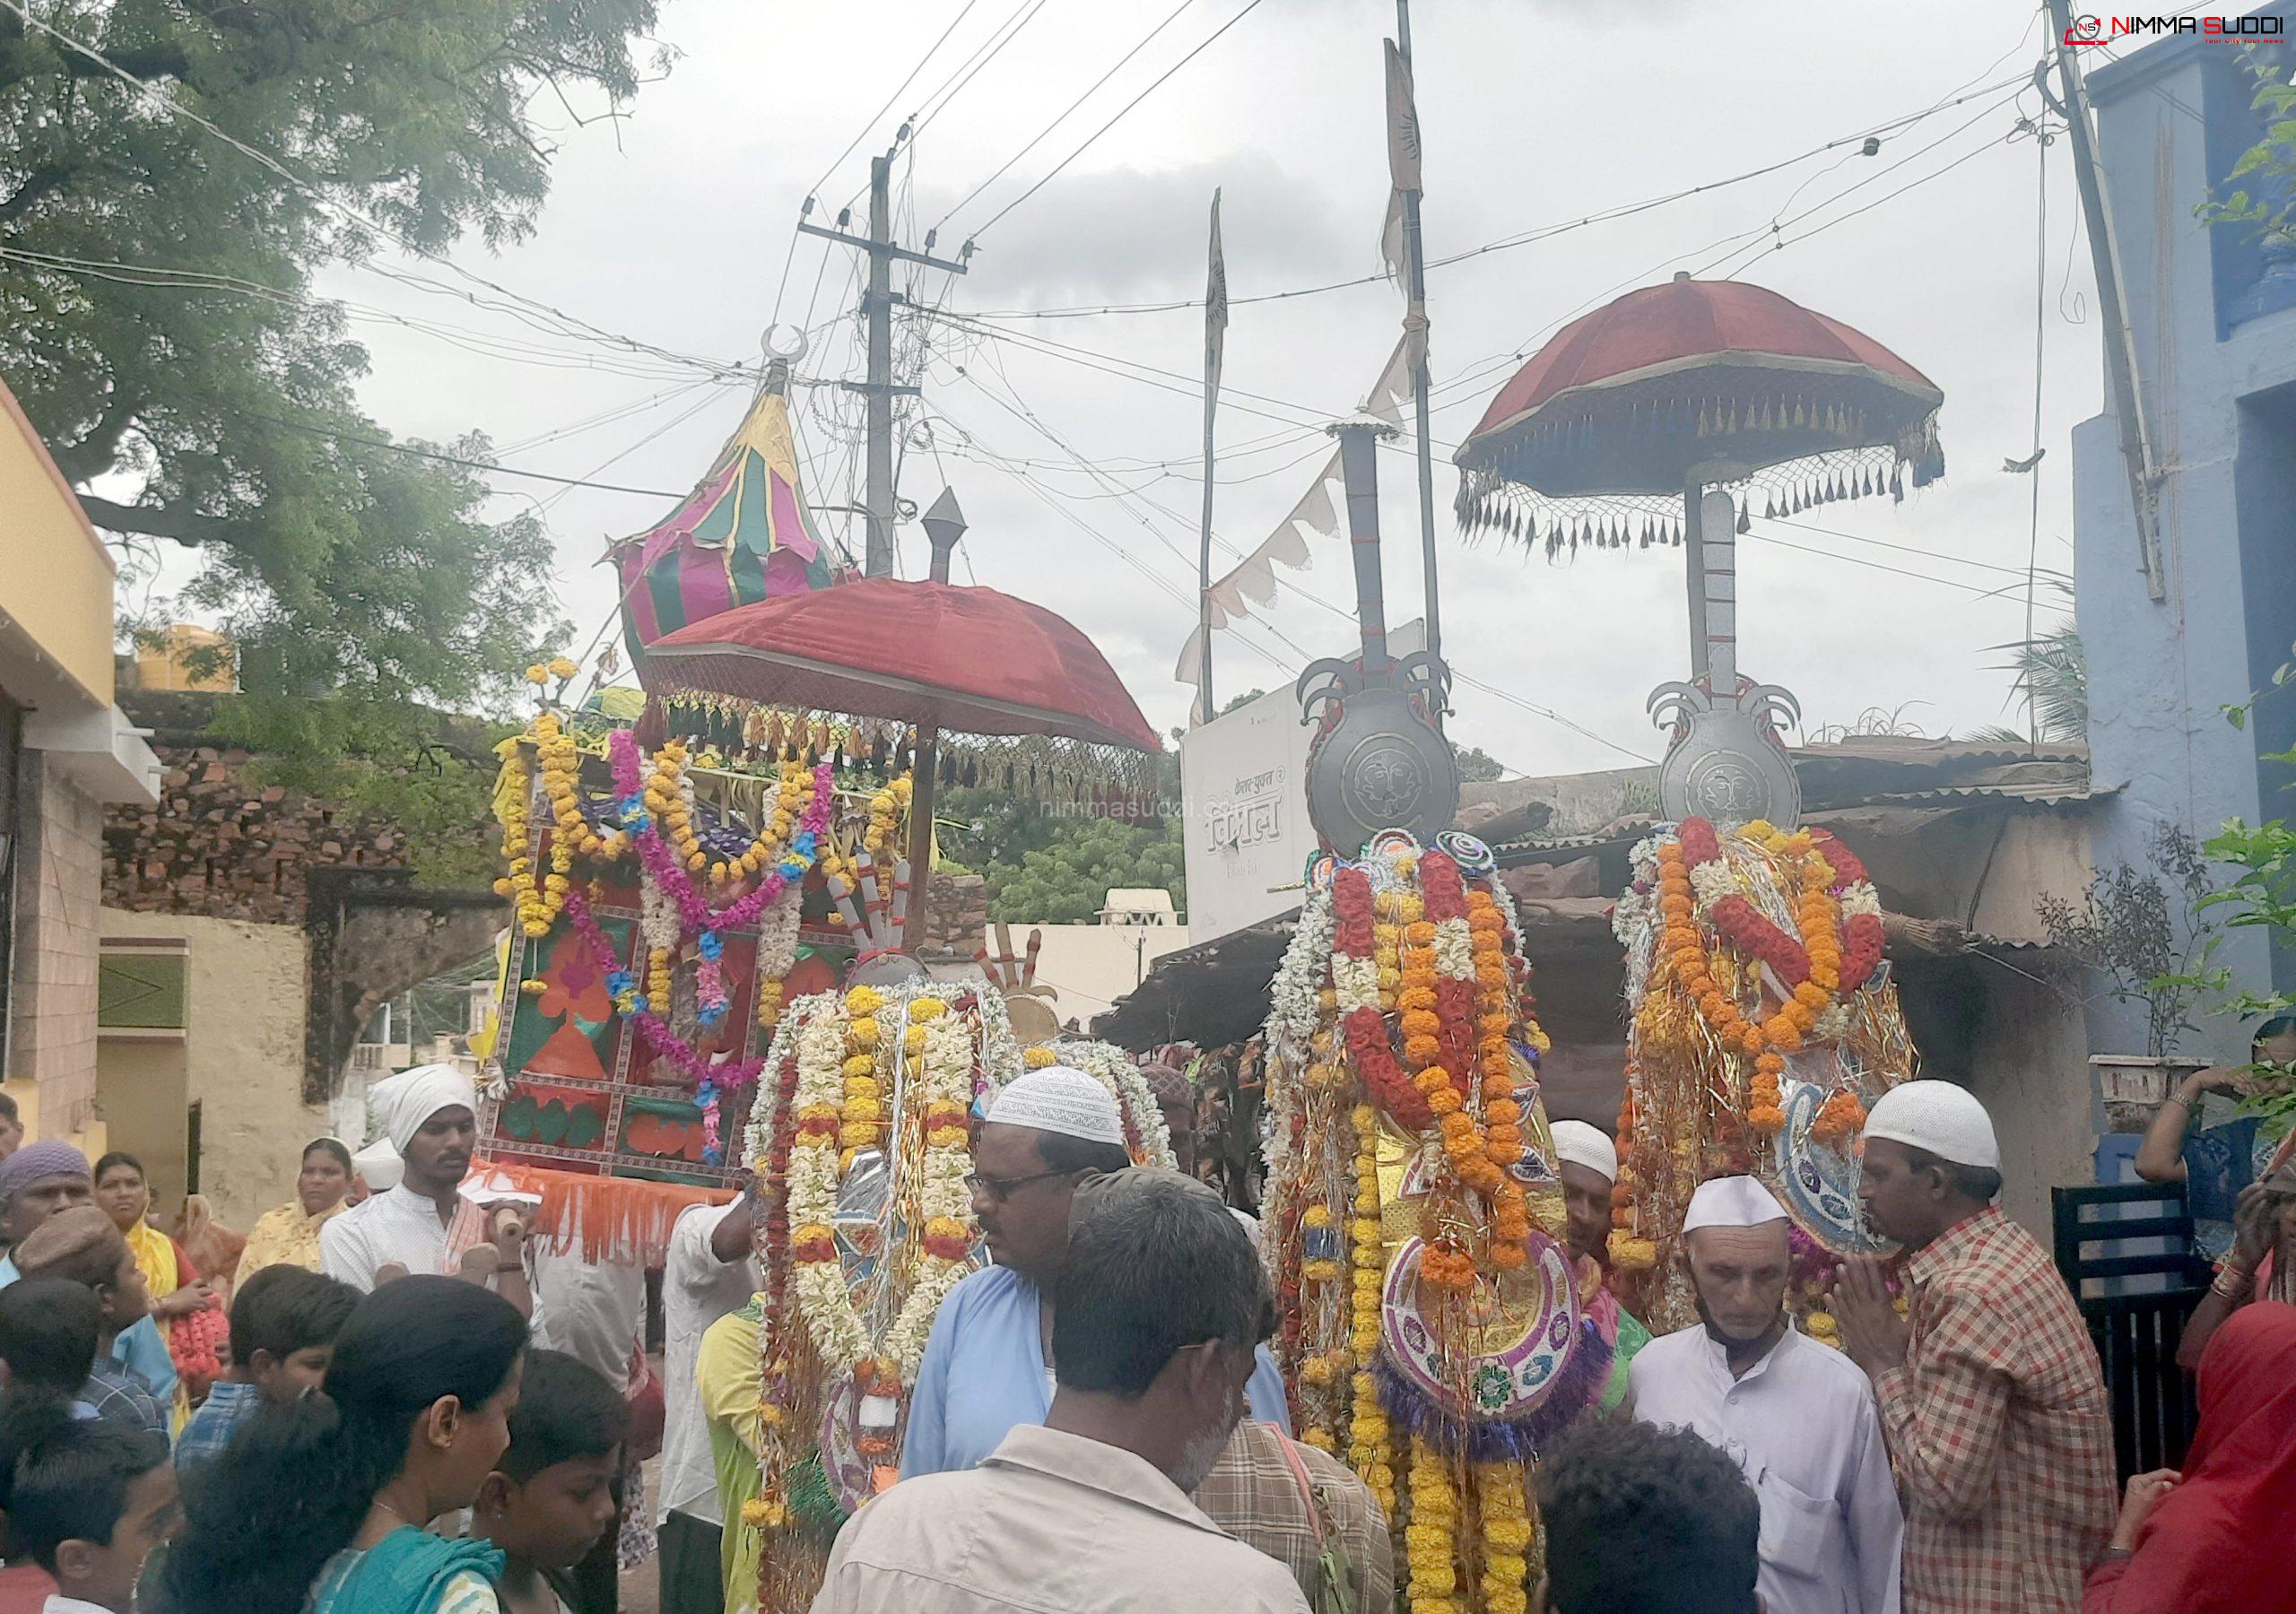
(2220, 1542)
(24, 1588)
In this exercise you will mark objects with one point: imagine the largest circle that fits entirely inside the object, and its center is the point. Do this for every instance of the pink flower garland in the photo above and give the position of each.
(661, 861)
(653, 1031)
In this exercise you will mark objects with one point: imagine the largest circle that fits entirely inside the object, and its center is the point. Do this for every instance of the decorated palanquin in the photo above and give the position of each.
(1432, 1331)
(1764, 1022)
(861, 1133)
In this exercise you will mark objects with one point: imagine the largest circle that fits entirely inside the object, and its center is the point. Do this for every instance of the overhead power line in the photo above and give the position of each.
(1249, 7)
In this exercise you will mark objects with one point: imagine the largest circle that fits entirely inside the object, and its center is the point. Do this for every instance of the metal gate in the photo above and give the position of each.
(2127, 1254)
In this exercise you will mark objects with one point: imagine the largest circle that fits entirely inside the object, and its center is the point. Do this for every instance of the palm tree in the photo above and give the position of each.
(2050, 673)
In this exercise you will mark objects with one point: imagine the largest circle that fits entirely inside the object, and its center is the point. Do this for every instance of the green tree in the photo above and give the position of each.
(2051, 670)
(1066, 879)
(157, 321)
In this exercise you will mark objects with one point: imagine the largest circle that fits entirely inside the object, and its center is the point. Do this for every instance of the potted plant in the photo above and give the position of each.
(2142, 930)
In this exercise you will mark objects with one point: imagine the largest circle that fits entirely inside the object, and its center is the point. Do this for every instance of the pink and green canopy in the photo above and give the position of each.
(741, 536)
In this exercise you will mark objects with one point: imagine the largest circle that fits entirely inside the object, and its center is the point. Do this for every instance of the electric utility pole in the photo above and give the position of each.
(877, 307)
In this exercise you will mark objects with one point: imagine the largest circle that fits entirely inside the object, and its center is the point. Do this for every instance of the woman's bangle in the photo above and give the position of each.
(2232, 1282)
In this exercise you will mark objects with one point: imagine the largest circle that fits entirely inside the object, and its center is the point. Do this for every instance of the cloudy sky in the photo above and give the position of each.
(673, 227)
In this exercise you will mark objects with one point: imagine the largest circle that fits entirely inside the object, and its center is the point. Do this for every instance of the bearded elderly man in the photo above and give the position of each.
(1795, 1415)
(1586, 1161)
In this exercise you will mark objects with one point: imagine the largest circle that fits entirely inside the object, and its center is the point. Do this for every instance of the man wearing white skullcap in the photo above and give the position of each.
(1795, 1415)
(429, 1116)
(1586, 1161)
(1992, 1399)
(987, 1366)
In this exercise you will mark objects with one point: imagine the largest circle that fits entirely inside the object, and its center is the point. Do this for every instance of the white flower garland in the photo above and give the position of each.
(1861, 897)
(1299, 980)
(942, 1073)
(1000, 1050)
(777, 935)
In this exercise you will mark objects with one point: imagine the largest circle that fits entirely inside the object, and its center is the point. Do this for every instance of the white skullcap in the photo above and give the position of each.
(1060, 1099)
(1579, 1144)
(1946, 1120)
(1732, 1201)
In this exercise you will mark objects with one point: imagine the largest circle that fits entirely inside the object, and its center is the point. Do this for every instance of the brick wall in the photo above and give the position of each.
(52, 1030)
(220, 845)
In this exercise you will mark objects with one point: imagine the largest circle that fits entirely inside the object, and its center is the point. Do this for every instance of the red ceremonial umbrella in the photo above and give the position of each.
(1691, 383)
(1611, 434)
(936, 654)
(931, 653)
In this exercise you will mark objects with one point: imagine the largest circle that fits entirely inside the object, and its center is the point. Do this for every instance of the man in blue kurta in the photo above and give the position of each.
(987, 1366)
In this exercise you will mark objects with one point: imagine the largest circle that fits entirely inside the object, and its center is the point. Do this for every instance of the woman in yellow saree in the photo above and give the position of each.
(288, 1234)
(176, 1290)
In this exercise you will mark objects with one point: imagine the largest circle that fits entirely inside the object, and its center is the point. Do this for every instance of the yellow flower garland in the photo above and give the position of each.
(541, 901)
(1428, 1538)
(887, 808)
(1506, 1536)
(861, 1118)
(1371, 1452)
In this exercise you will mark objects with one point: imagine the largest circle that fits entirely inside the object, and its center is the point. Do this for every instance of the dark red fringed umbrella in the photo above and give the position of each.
(936, 654)
(932, 654)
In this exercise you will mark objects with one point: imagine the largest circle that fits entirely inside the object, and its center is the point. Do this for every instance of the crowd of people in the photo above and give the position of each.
(424, 1409)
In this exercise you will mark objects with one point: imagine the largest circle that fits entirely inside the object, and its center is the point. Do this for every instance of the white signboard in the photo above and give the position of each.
(1244, 788)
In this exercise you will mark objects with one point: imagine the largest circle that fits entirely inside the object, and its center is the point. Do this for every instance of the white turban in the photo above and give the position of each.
(1059, 1099)
(404, 1102)
(1579, 1144)
(1938, 1116)
(379, 1167)
(1732, 1201)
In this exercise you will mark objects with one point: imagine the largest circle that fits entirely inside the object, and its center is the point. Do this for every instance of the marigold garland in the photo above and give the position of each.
(1428, 1538)
(1369, 1451)
(1504, 1506)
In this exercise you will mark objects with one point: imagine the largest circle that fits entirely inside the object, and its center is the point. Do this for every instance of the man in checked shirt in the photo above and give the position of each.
(1991, 1399)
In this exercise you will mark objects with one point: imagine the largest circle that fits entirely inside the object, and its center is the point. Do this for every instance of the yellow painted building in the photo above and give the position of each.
(65, 753)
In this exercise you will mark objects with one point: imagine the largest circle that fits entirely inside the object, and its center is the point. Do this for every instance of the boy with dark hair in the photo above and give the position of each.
(284, 1323)
(90, 1502)
(81, 1246)
(1646, 1520)
(48, 1329)
(551, 1498)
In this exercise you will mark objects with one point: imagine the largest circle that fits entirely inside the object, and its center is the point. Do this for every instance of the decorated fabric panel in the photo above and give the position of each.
(654, 948)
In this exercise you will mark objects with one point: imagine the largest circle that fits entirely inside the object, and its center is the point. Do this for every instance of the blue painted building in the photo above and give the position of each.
(2213, 310)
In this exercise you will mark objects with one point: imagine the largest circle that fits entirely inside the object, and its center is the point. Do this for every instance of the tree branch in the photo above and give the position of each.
(94, 453)
(159, 521)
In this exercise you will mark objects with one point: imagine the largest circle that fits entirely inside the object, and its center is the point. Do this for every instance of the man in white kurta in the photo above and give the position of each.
(1796, 1416)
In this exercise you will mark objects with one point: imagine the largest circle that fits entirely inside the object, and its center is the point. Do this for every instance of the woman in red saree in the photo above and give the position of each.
(2216, 1539)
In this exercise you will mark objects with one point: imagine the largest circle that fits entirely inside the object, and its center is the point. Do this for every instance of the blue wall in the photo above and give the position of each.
(2212, 370)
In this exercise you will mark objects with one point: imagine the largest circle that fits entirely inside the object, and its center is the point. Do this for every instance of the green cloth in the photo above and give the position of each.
(1632, 1338)
(725, 1375)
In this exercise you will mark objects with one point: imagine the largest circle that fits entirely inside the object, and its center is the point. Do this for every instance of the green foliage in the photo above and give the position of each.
(1477, 765)
(2259, 893)
(2145, 930)
(2270, 161)
(1057, 869)
(157, 321)
(2050, 671)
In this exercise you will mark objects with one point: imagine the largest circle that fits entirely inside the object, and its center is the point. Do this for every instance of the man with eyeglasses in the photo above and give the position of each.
(988, 1366)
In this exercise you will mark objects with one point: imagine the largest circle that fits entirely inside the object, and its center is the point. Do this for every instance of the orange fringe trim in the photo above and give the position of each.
(621, 1218)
